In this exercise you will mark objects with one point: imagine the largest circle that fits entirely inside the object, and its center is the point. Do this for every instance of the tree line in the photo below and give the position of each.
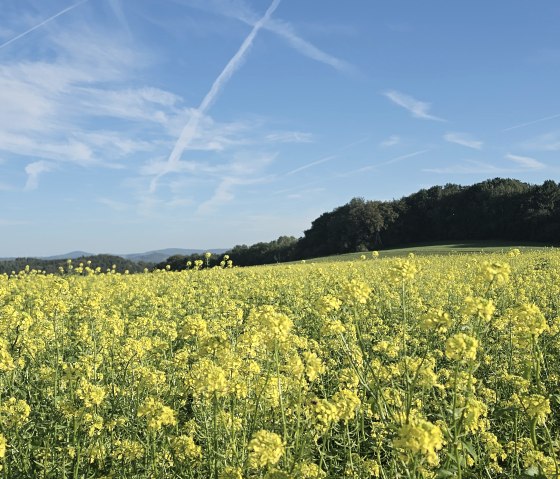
(102, 261)
(496, 209)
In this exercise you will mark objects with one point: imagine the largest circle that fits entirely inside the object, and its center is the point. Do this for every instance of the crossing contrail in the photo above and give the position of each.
(190, 130)
(44, 22)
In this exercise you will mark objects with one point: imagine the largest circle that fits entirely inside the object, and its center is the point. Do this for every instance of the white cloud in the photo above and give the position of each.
(304, 193)
(463, 139)
(290, 137)
(113, 204)
(418, 109)
(50, 107)
(546, 142)
(526, 162)
(471, 167)
(34, 170)
(117, 9)
(391, 141)
(224, 192)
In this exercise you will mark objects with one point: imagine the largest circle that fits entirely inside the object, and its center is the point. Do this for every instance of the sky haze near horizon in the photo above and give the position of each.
(129, 126)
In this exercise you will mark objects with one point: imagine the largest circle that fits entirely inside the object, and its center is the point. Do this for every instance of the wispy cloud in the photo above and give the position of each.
(117, 9)
(526, 161)
(418, 109)
(246, 169)
(304, 193)
(34, 170)
(471, 167)
(546, 142)
(391, 141)
(191, 128)
(290, 137)
(39, 25)
(521, 125)
(113, 204)
(463, 139)
(49, 106)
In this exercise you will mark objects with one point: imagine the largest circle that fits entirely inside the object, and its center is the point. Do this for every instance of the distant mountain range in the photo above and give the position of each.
(156, 256)
(162, 254)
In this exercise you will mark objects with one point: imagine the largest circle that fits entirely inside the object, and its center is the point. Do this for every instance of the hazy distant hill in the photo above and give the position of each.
(71, 255)
(162, 254)
(148, 257)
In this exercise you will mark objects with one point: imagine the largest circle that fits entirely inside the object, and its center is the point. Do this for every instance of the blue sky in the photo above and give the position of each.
(128, 126)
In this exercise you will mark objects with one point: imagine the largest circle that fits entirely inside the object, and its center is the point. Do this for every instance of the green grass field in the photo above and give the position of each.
(464, 247)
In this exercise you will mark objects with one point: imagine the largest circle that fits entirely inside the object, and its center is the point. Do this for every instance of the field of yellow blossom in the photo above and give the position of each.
(441, 366)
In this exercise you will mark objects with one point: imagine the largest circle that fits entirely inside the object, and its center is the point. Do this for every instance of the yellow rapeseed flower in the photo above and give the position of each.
(265, 449)
(157, 414)
(421, 437)
(461, 347)
(3, 445)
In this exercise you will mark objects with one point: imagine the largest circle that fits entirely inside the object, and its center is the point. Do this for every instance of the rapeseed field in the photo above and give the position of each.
(418, 367)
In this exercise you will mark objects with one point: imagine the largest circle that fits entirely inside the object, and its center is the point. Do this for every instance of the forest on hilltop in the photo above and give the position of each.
(496, 209)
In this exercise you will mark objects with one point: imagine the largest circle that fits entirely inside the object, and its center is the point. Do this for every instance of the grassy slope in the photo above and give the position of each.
(464, 247)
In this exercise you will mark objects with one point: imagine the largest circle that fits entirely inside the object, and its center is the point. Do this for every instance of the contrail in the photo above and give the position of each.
(190, 129)
(44, 22)
(388, 162)
(309, 165)
(532, 122)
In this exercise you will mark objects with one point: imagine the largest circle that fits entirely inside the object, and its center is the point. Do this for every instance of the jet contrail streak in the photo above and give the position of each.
(309, 165)
(44, 22)
(532, 122)
(191, 128)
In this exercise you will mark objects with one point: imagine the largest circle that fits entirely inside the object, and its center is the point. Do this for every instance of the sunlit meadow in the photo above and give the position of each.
(442, 366)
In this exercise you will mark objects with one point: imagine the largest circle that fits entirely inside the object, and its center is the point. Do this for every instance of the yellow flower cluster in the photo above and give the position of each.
(157, 414)
(6, 360)
(496, 272)
(346, 403)
(356, 291)
(328, 303)
(528, 322)
(90, 394)
(435, 319)
(184, 448)
(402, 270)
(265, 449)
(3, 445)
(14, 413)
(207, 379)
(479, 308)
(274, 325)
(421, 437)
(537, 407)
(461, 347)
(128, 450)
